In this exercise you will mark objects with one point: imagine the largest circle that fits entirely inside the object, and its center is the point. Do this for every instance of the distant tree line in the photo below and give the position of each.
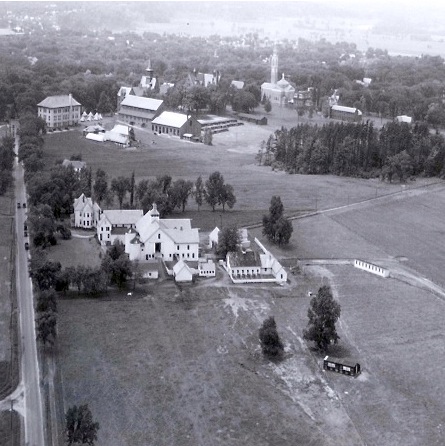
(397, 150)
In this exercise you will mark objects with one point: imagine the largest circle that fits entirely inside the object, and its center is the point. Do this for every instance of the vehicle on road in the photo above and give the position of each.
(24, 205)
(26, 246)
(25, 234)
(18, 206)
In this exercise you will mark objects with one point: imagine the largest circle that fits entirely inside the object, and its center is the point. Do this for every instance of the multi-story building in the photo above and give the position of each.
(59, 111)
(135, 110)
(168, 239)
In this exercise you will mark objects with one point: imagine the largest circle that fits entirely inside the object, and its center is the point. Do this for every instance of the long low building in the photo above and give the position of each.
(343, 113)
(176, 124)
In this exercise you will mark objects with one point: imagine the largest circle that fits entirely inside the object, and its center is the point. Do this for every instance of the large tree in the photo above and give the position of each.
(80, 427)
(46, 322)
(276, 227)
(100, 186)
(213, 187)
(271, 344)
(120, 186)
(180, 192)
(227, 197)
(323, 314)
(228, 240)
(199, 192)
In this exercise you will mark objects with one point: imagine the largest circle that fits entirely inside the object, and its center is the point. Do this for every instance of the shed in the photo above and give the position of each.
(182, 272)
(345, 366)
(255, 119)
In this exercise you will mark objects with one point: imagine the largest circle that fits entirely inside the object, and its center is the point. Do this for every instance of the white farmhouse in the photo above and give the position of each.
(86, 213)
(114, 224)
(167, 239)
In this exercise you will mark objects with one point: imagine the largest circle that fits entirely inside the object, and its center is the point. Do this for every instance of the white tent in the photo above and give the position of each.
(96, 117)
(84, 114)
(95, 136)
(82, 119)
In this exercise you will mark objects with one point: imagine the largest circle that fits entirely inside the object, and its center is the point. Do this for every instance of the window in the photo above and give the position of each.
(159, 236)
(177, 247)
(188, 247)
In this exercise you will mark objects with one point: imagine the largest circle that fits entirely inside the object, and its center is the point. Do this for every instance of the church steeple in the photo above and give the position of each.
(149, 70)
(274, 66)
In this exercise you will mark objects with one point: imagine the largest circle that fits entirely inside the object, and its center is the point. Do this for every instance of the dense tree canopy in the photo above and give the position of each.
(80, 427)
(355, 150)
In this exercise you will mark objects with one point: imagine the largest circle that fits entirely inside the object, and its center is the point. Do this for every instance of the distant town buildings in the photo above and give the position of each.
(59, 111)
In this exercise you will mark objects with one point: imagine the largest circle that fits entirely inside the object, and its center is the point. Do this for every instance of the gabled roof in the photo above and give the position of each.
(122, 216)
(121, 129)
(181, 265)
(141, 102)
(124, 91)
(171, 119)
(115, 137)
(179, 230)
(76, 165)
(58, 101)
(346, 109)
(238, 84)
(85, 202)
(95, 136)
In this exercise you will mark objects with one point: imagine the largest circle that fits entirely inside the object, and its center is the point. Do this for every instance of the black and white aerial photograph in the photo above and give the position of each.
(222, 223)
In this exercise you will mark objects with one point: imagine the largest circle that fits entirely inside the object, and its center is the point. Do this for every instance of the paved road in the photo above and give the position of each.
(30, 377)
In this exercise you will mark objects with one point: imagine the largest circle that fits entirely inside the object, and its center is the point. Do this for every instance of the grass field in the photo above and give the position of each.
(189, 370)
(233, 154)
(167, 367)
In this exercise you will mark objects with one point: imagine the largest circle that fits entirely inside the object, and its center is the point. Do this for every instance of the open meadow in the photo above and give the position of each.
(182, 366)
(233, 154)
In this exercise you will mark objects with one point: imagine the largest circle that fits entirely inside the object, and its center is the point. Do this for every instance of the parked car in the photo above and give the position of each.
(24, 205)
(26, 234)
(18, 206)
(26, 246)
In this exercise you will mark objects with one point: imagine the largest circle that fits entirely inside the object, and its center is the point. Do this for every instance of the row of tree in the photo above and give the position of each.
(323, 313)
(350, 149)
(6, 163)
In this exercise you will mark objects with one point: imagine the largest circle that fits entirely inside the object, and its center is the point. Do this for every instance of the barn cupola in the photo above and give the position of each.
(154, 214)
